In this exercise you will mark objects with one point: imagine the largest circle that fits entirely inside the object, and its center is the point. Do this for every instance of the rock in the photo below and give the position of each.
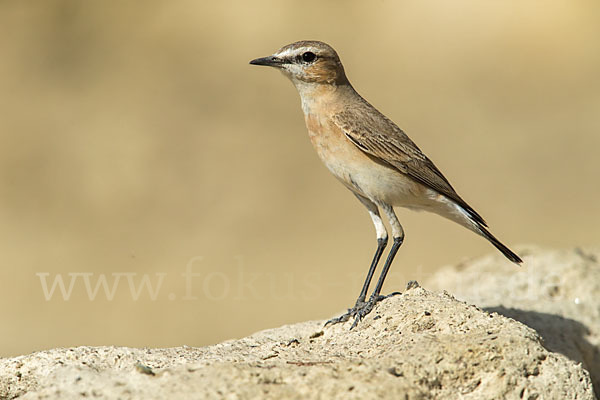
(555, 292)
(418, 345)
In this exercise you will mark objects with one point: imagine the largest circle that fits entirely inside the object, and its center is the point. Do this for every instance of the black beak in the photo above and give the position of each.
(270, 61)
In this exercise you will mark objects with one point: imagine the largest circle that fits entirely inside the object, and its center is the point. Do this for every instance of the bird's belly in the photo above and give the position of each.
(362, 173)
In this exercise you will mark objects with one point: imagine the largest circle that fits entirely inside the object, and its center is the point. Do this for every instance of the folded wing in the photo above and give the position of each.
(379, 137)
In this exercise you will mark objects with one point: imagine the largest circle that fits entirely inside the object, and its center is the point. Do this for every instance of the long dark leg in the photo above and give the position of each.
(398, 233)
(381, 243)
(382, 240)
(397, 243)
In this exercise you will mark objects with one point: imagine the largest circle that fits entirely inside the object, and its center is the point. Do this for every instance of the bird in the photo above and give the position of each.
(371, 156)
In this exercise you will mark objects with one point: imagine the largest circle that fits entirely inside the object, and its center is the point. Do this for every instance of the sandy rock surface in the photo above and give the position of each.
(418, 345)
(555, 292)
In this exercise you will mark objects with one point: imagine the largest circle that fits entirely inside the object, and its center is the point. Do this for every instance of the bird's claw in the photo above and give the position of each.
(360, 310)
(365, 310)
(346, 316)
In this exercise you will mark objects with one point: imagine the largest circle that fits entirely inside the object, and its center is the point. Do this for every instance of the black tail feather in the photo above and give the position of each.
(508, 253)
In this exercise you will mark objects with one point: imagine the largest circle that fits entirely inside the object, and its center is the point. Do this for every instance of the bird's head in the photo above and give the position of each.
(307, 62)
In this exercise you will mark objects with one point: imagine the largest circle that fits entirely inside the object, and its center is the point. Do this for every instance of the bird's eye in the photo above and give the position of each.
(309, 56)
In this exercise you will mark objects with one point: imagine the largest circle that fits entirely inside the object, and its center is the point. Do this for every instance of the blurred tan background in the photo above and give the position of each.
(135, 138)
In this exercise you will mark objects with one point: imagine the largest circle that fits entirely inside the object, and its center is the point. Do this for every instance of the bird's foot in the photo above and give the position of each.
(368, 307)
(360, 310)
(365, 309)
(350, 313)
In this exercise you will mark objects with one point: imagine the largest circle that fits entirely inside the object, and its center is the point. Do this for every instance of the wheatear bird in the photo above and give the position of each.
(370, 155)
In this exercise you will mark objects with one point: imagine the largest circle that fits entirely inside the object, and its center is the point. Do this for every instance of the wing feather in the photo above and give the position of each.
(379, 137)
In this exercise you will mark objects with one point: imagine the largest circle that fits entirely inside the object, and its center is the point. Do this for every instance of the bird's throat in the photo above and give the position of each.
(319, 98)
